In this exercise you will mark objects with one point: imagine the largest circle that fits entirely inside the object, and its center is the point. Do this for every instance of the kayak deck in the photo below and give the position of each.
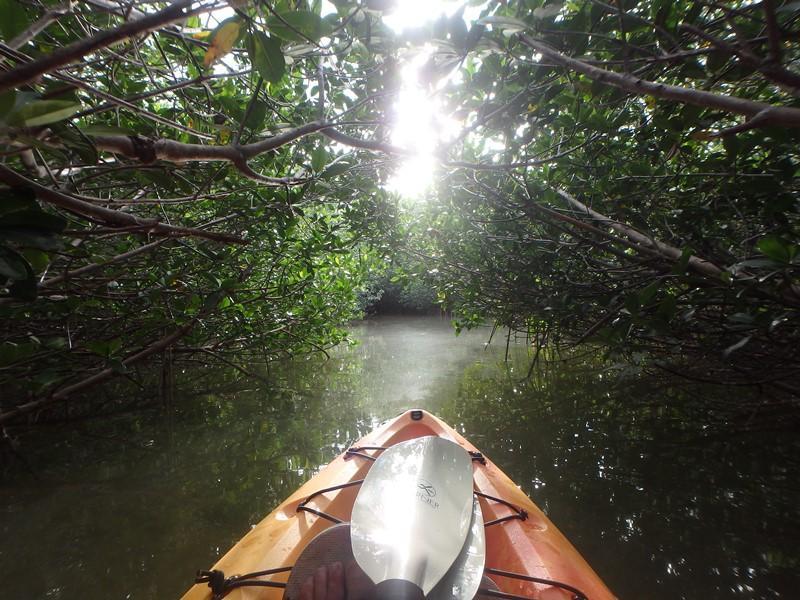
(519, 538)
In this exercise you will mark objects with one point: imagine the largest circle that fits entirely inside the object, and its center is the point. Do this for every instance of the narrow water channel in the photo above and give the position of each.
(130, 507)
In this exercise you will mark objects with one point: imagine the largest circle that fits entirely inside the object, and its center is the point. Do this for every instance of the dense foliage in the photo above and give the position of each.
(163, 195)
(208, 177)
(636, 186)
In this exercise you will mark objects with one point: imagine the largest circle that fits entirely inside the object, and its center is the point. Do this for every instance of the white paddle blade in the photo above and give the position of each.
(464, 578)
(413, 512)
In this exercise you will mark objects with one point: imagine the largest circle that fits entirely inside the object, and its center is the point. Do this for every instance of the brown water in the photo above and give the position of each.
(130, 507)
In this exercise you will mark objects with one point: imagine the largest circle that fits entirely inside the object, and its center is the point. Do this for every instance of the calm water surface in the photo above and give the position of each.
(131, 507)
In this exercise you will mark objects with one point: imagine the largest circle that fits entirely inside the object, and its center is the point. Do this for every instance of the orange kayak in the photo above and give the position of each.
(526, 555)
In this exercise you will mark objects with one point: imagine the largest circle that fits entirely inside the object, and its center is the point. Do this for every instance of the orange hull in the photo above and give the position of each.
(533, 546)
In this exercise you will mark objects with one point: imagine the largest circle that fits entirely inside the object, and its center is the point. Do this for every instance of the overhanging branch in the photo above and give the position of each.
(109, 216)
(29, 72)
(768, 114)
(149, 150)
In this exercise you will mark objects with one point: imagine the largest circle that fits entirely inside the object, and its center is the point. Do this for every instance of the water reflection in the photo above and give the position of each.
(660, 510)
(129, 508)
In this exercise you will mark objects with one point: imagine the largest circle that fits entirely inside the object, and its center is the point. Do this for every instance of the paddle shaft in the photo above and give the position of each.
(397, 589)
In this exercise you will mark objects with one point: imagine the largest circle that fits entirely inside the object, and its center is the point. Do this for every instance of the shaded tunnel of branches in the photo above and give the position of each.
(197, 178)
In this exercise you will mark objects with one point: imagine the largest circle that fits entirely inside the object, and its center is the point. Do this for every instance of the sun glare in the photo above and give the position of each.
(419, 126)
(408, 14)
(419, 122)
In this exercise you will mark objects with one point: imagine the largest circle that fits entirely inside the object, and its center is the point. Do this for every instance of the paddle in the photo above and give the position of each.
(463, 579)
(412, 515)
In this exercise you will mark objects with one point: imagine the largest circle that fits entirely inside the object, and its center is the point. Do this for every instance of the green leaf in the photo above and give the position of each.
(777, 249)
(319, 158)
(31, 238)
(114, 346)
(641, 168)
(336, 169)
(212, 300)
(11, 352)
(757, 263)
(104, 348)
(14, 199)
(255, 118)
(13, 265)
(298, 26)
(97, 347)
(667, 307)
(56, 343)
(506, 24)
(14, 20)
(632, 303)
(36, 258)
(34, 219)
(683, 262)
(266, 56)
(716, 60)
(229, 284)
(731, 145)
(7, 101)
(75, 140)
(646, 295)
(117, 366)
(96, 129)
(43, 112)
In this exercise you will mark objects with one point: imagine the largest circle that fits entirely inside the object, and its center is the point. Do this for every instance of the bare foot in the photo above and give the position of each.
(334, 582)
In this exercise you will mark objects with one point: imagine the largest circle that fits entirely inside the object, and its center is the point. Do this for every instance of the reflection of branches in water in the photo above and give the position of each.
(593, 385)
(146, 388)
(622, 461)
(703, 399)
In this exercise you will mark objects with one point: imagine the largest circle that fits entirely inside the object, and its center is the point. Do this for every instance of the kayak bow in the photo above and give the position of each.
(526, 555)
